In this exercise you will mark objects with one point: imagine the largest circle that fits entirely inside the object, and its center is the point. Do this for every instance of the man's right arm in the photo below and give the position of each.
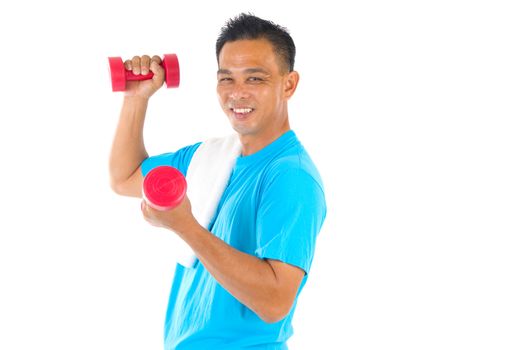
(128, 148)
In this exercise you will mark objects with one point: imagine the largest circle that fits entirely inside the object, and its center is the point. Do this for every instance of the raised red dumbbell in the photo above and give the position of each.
(119, 75)
(164, 188)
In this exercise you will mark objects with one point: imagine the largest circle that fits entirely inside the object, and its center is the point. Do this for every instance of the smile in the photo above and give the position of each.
(242, 110)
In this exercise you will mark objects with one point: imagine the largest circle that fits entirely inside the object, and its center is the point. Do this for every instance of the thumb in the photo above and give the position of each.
(159, 72)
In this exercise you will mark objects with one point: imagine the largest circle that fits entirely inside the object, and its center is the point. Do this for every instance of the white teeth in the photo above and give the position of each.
(242, 110)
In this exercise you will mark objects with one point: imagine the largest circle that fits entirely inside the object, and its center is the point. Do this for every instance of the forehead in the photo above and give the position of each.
(248, 53)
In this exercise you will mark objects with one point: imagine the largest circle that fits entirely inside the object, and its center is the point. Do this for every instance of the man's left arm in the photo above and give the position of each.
(268, 287)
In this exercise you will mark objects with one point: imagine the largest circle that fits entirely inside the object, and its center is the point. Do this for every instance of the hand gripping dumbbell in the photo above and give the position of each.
(164, 188)
(119, 75)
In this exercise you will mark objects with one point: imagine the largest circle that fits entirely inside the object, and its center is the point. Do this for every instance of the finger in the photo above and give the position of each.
(156, 68)
(144, 207)
(145, 64)
(128, 65)
(136, 62)
(156, 58)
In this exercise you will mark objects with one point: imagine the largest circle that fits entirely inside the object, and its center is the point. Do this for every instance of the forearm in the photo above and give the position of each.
(128, 148)
(249, 279)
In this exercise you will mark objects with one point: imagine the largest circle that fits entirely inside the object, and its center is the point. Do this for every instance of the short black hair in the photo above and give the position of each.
(246, 26)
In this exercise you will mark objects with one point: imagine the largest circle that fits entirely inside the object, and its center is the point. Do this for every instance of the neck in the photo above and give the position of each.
(252, 143)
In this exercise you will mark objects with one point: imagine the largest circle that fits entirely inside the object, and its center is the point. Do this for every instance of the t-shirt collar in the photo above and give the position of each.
(267, 151)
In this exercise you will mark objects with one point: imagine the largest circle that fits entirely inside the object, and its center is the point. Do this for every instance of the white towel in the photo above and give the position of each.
(207, 177)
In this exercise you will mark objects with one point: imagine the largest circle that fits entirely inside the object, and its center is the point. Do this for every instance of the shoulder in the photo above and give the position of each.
(295, 166)
(179, 159)
(188, 151)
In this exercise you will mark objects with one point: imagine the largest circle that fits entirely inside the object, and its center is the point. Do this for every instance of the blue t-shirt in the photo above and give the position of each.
(273, 207)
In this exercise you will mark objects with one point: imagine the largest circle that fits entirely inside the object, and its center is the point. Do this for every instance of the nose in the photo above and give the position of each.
(238, 92)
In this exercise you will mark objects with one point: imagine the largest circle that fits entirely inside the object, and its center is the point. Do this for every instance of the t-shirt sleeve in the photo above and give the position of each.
(179, 159)
(289, 217)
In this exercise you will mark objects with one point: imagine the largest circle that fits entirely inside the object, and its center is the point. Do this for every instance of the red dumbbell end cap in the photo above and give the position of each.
(117, 73)
(164, 188)
(172, 70)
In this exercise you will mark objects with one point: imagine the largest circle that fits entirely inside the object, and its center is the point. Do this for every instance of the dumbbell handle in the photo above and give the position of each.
(129, 75)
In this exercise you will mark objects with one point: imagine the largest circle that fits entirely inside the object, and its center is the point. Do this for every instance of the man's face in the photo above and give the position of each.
(252, 88)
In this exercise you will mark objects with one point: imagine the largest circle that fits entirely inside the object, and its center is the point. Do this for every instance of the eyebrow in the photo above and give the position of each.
(246, 71)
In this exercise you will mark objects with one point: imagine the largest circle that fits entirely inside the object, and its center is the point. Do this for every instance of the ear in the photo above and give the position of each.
(290, 84)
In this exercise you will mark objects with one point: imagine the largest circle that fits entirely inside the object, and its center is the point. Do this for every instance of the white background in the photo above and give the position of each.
(414, 111)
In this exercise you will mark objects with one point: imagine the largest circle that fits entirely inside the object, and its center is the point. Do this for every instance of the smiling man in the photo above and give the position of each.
(255, 255)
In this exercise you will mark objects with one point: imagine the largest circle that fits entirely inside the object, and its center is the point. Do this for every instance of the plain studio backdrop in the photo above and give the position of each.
(415, 113)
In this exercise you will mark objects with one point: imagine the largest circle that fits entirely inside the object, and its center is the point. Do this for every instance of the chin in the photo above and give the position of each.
(243, 129)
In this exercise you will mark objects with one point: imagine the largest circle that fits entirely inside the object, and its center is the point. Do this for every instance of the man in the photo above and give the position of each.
(255, 256)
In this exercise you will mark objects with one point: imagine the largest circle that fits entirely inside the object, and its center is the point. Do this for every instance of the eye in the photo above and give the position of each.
(224, 80)
(255, 79)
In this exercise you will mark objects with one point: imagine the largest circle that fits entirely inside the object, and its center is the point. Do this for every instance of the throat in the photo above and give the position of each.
(252, 143)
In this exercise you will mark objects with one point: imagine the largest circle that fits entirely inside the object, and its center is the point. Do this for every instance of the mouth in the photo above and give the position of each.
(242, 113)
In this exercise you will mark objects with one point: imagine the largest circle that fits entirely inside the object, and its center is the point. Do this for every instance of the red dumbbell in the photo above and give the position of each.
(164, 188)
(119, 75)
